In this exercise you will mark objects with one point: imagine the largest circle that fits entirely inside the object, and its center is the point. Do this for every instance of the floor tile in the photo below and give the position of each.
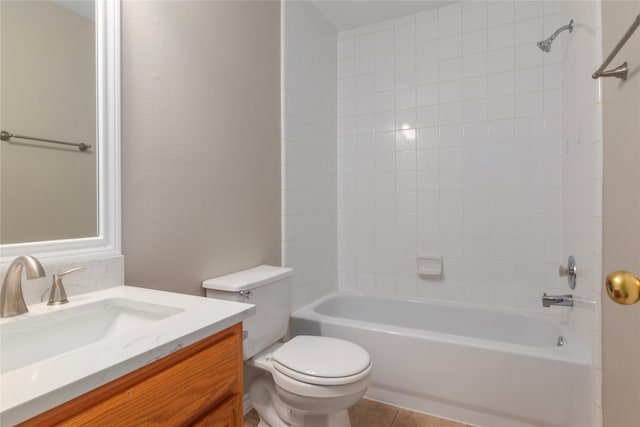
(368, 413)
(407, 418)
(251, 419)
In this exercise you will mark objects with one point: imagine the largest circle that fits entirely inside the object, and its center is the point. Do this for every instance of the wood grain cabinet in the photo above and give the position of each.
(200, 385)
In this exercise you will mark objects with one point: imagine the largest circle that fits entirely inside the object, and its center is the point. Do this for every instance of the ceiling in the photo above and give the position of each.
(346, 14)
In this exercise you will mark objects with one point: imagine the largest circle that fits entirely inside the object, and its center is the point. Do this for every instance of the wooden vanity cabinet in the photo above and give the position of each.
(200, 385)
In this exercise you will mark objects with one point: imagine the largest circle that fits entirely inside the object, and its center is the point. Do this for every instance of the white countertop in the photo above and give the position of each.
(35, 388)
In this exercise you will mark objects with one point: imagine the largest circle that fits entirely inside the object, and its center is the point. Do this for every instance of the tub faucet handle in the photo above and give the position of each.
(570, 271)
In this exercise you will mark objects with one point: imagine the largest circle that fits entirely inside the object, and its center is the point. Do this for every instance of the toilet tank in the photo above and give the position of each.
(269, 289)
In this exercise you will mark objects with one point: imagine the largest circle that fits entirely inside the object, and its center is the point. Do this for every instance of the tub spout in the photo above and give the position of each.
(561, 300)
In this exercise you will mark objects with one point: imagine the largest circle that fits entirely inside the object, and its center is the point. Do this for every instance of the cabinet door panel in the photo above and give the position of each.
(173, 391)
(228, 414)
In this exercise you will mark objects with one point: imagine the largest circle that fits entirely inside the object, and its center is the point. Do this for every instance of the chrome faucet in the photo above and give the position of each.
(561, 300)
(11, 298)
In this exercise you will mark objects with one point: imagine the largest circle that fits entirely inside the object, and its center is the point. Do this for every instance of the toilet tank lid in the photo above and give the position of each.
(247, 279)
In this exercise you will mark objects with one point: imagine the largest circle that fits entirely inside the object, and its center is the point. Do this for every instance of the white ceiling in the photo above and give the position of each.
(346, 14)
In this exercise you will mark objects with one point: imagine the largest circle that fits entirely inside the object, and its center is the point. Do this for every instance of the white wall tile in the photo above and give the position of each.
(526, 57)
(450, 69)
(427, 51)
(474, 19)
(405, 76)
(449, 25)
(528, 32)
(450, 91)
(501, 83)
(310, 159)
(427, 116)
(450, 47)
(475, 42)
(364, 44)
(500, 13)
(427, 73)
(427, 94)
(364, 64)
(474, 87)
(427, 25)
(474, 110)
(383, 40)
(405, 35)
(500, 60)
(500, 37)
(472, 168)
(500, 107)
(384, 61)
(405, 56)
(528, 9)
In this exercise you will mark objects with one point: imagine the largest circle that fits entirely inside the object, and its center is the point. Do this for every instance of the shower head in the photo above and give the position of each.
(545, 45)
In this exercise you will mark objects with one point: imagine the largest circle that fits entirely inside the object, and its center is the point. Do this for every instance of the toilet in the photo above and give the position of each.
(307, 381)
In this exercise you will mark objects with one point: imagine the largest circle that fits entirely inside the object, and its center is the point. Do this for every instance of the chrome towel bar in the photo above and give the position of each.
(6, 136)
(622, 70)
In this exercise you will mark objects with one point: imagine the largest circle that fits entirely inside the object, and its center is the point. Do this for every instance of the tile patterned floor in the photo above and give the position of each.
(368, 413)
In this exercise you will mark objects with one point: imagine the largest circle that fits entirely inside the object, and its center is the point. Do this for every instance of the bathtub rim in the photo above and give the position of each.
(567, 353)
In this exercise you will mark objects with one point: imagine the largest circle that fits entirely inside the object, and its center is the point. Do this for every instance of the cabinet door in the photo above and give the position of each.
(172, 391)
(227, 414)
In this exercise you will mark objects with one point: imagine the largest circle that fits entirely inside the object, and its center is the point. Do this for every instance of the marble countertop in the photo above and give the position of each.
(37, 387)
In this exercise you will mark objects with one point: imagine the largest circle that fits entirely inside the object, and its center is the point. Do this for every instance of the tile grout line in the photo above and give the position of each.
(394, 418)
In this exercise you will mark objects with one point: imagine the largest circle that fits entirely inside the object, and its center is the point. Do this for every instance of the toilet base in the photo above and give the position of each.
(335, 419)
(273, 412)
(338, 419)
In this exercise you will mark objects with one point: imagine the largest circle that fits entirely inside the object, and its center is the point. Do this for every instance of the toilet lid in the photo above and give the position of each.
(322, 357)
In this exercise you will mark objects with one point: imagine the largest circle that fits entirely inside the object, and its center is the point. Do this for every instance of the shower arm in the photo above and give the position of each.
(569, 27)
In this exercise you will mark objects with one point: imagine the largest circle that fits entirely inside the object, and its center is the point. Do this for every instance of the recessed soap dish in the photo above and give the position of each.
(430, 265)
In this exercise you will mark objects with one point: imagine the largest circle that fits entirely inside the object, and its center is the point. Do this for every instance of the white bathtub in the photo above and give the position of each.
(486, 367)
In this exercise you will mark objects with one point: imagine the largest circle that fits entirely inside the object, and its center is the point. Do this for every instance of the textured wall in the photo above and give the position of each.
(200, 140)
(621, 213)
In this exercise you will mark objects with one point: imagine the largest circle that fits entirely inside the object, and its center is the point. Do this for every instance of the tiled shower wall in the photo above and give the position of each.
(449, 126)
(309, 151)
(582, 139)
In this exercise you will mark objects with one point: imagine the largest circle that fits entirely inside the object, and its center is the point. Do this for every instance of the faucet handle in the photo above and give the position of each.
(58, 295)
(570, 271)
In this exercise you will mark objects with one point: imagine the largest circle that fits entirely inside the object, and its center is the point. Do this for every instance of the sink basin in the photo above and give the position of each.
(33, 339)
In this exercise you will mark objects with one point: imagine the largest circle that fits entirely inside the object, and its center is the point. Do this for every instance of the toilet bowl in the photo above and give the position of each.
(307, 381)
(314, 380)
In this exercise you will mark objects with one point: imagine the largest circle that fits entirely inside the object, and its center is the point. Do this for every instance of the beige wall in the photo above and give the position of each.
(47, 86)
(200, 140)
(621, 200)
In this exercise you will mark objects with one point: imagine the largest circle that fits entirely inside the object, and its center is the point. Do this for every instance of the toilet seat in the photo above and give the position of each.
(318, 391)
(322, 360)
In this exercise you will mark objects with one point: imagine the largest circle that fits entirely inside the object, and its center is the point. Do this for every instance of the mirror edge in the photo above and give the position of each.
(108, 241)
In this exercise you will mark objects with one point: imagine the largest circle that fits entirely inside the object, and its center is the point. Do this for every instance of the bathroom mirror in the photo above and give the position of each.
(86, 75)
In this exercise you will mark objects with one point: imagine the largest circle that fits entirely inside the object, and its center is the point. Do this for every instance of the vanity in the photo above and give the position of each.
(199, 385)
(131, 356)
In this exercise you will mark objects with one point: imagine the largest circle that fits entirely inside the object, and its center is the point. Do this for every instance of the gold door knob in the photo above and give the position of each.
(623, 287)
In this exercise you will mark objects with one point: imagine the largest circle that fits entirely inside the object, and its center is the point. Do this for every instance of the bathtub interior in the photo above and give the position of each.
(473, 380)
(508, 326)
